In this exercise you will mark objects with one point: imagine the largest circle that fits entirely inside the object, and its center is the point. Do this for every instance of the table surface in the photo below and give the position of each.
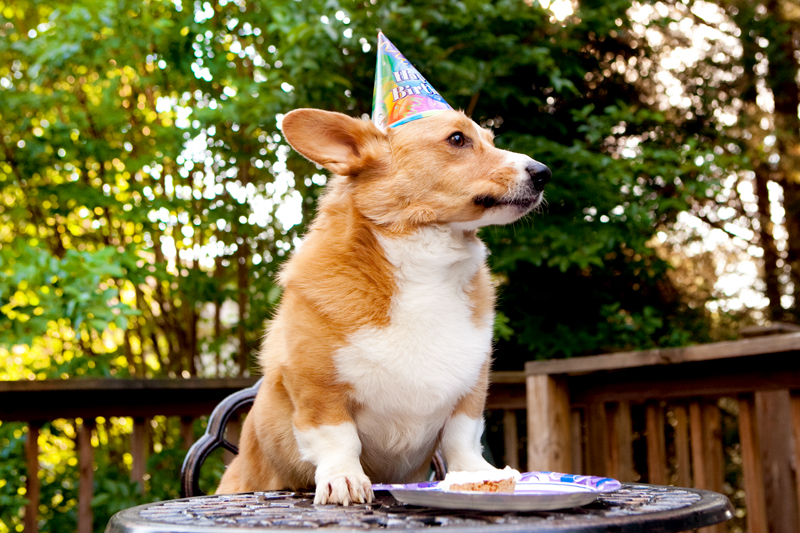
(635, 507)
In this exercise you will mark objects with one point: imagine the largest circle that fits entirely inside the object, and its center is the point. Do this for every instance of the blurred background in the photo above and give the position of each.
(147, 197)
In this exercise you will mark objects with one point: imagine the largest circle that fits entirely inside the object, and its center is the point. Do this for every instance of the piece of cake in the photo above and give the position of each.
(481, 481)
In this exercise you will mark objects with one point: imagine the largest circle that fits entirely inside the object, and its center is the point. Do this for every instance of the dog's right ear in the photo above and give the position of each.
(344, 145)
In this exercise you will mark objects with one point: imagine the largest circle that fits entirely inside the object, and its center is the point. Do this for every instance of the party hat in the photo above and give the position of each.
(401, 93)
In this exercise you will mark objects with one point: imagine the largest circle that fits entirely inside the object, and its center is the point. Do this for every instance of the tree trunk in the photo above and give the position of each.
(774, 311)
(219, 273)
(243, 275)
(782, 80)
(242, 255)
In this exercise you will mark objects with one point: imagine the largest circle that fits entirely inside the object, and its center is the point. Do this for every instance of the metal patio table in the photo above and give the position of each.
(635, 507)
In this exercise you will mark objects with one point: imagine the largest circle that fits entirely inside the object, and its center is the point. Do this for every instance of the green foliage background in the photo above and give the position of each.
(142, 171)
(143, 166)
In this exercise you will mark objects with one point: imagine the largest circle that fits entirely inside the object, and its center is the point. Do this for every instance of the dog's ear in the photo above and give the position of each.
(344, 145)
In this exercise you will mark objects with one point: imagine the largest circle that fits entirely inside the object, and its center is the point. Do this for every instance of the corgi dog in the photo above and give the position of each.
(379, 352)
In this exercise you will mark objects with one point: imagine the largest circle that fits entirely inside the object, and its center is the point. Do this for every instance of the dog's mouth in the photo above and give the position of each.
(520, 202)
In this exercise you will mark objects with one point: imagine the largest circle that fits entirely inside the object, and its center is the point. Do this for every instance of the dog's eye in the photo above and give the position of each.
(457, 139)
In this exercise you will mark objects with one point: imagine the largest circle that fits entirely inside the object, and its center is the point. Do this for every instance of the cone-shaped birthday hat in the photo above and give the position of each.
(401, 93)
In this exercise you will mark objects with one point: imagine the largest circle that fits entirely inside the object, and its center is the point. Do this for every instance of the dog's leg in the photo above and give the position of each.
(335, 450)
(461, 444)
(231, 481)
(461, 436)
(326, 437)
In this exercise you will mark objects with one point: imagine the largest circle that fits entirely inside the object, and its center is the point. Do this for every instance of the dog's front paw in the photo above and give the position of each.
(343, 489)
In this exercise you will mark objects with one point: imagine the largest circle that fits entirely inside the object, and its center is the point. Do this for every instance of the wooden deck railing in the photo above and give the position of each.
(35, 402)
(579, 419)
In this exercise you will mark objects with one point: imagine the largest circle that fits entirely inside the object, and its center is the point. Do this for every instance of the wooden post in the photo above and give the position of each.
(751, 466)
(773, 410)
(32, 486)
(549, 446)
(511, 438)
(139, 451)
(656, 447)
(187, 432)
(682, 446)
(86, 483)
(597, 445)
(620, 441)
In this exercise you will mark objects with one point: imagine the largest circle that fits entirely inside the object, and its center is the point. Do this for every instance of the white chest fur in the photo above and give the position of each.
(409, 375)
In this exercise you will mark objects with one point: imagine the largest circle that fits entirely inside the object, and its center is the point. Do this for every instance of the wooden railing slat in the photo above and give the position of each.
(139, 451)
(699, 466)
(510, 439)
(596, 440)
(187, 432)
(86, 476)
(612, 464)
(232, 434)
(682, 455)
(578, 444)
(751, 466)
(656, 448)
(32, 485)
(712, 440)
(620, 441)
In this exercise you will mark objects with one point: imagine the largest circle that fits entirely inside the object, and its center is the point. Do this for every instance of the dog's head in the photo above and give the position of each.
(442, 169)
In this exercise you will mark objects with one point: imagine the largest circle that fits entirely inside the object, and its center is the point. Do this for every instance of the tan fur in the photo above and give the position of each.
(339, 281)
(481, 294)
(473, 403)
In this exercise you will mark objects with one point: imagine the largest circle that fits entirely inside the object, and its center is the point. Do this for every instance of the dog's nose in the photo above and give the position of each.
(539, 174)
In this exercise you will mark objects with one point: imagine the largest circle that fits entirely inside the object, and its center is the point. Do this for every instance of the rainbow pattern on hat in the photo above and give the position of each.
(401, 93)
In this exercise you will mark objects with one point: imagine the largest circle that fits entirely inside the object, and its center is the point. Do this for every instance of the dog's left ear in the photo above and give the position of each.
(344, 145)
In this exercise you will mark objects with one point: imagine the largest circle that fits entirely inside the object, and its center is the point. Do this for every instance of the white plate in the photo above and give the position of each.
(536, 491)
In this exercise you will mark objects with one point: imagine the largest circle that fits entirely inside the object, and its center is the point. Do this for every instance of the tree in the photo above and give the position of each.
(744, 85)
(142, 142)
